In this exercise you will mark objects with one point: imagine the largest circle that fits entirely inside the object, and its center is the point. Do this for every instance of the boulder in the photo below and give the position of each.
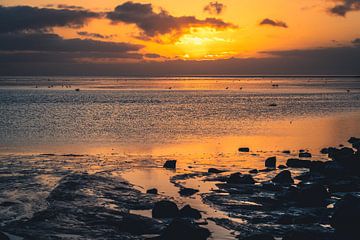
(305, 155)
(152, 191)
(165, 209)
(238, 178)
(353, 140)
(313, 195)
(3, 236)
(189, 212)
(187, 192)
(345, 219)
(282, 167)
(297, 163)
(324, 151)
(244, 149)
(254, 171)
(286, 151)
(283, 177)
(270, 162)
(215, 170)
(180, 229)
(170, 164)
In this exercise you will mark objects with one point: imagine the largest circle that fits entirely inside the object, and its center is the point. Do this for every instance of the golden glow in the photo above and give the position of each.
(310, 26)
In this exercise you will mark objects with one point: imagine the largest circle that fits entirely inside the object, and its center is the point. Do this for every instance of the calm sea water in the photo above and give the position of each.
(150, 115)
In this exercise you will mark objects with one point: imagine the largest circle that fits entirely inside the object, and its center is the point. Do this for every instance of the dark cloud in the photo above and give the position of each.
(345, 6)
(268, 21)
(53, 42)
(153, 24)
(25, 18)
(46, 47)
(94, 35)
(152, 55)
(215, 8)
(322, 61)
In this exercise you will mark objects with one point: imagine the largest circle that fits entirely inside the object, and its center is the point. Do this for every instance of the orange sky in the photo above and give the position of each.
(310, 25)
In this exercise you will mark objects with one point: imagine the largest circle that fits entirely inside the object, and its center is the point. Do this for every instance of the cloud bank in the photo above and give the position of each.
(345, 6)
(154, 24)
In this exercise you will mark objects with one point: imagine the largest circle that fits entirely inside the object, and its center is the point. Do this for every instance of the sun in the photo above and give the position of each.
(202, 43)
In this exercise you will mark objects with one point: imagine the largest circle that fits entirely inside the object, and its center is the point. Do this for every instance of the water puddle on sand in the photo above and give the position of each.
(159, 178)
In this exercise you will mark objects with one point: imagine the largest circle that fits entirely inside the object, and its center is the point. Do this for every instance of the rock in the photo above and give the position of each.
(238, 178)
(138, 225)
(214, 170)
(283, 177)
(305, 155)
(324, 151)
(170, 164)
(189, 212)
(270, 162)
(342, 154)
(344, 186)
(152, 191)
(187, 192)
(345, 219)
(180, 229)
(317, 166)
(271, 187)
(297, 163)
(165, 209)
(286, 151)
(313, 195)
(282, 167)
(3, 236)
(353, 140)
(262, 236)
(254, 171)
(244, 149)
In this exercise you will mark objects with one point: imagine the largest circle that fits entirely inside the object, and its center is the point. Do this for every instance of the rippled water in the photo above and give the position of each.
(142, 113)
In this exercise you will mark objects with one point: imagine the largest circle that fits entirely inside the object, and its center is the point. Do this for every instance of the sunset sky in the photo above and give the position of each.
(183, 37)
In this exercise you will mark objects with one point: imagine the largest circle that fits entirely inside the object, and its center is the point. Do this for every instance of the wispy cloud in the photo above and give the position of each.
(274, 23)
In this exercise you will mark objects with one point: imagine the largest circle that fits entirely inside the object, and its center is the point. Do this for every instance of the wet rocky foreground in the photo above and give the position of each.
(89, 197)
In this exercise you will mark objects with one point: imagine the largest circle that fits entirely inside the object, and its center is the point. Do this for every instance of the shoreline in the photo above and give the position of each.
(76, 182)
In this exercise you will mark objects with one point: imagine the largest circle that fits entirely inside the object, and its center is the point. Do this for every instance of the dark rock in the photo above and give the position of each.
(180, 229)
(342, 154)
(297, 163)
(186, 192)
(345, 219)
(291, 194)
(165, 209)
(305, 155)
(189, 212)
(267, 170)
(254, 171)
(238, 178)
(270, 162)
(3, 236)
(138, 225)
(263, 236)
(271, 187)
(283, 177)
(152, 191)
(215, 170)
(324, 151)
(344, 186)
(317, 166)
(170, 164)
(282, 167)
(286, 151)
(301, 150)
(353, 140)
(313, 195)
(244, 149)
